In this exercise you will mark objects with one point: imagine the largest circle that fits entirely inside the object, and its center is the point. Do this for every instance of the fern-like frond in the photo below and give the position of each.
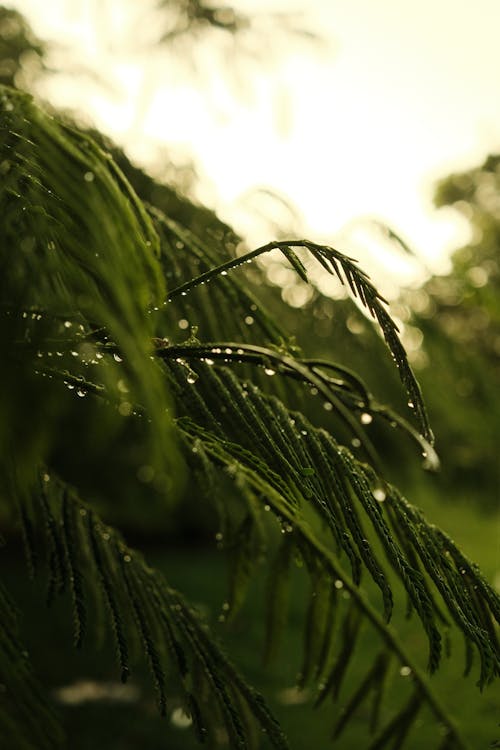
(346, 395)
(291, 465)
(306, 465)
(281, 498)
(78, 549)
(348, 273)
(90, 334)
(78, 252)
(27, 720)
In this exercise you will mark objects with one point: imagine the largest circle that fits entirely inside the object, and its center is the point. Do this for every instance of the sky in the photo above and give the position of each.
(355, 128)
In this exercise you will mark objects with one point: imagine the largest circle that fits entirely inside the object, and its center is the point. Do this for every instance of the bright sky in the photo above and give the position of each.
(405, 92)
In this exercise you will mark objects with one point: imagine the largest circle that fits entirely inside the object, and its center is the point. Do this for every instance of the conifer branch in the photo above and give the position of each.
(347, 272)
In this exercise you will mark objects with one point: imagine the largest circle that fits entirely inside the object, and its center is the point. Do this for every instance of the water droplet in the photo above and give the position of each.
(68, 323)
(183, 324)
(117, 357)
(192, 377)
(209, 362)
(267, 507)
(338, 584)
(223, 273)
(366, 418)
(89, 177)
(269, 371)
(125, 408)
(127, 558)
(379, 494)
(219, 536)
(411, 404)
(355, 442)
(249, 320)
(80, 392)
(405, 671)
(327, 406)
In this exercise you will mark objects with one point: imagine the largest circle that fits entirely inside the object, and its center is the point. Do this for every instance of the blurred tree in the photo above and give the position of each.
(21, 53)
(459, 315)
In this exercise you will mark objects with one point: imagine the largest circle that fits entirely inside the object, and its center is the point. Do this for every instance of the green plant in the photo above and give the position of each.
(101, 397)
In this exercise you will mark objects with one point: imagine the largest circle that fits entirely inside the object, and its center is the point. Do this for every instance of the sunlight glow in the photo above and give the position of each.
(361, 127)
